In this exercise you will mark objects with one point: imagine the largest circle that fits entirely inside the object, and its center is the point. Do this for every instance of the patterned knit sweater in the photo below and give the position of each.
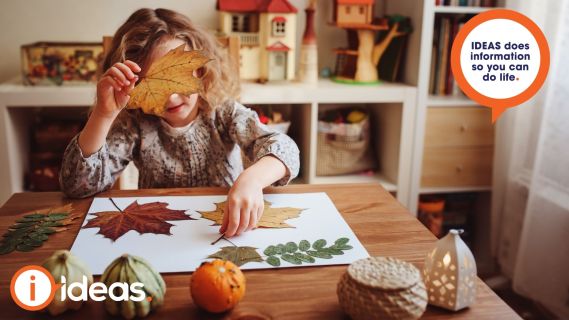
(207, 152)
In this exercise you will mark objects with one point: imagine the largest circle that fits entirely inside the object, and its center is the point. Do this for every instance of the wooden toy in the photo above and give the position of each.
(267, 33)
(358, 62)
(308, 72)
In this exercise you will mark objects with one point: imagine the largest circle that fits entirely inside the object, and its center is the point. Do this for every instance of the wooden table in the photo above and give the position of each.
(383, 226)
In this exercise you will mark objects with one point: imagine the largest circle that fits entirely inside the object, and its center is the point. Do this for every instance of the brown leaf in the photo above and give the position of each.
(237, 255)
(172, 73)
(143, 218)
(61, 209)
(272, 217)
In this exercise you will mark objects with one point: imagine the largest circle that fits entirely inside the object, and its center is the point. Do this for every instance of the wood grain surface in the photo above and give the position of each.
(383, 226)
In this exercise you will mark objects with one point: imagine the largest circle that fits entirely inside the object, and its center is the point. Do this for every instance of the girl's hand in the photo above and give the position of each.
(114, 87)
(244, 207)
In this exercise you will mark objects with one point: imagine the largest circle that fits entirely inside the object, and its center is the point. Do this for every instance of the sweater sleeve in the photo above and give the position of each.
(258, 140)
(82, 176)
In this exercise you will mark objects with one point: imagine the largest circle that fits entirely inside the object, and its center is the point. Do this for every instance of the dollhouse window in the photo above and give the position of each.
(240, 23)
(235, 23)
(348, 9)
(279, 27)
(361, 9)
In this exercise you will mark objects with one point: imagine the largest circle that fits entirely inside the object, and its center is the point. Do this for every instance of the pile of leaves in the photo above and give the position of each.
(303, 252)
(33, 229)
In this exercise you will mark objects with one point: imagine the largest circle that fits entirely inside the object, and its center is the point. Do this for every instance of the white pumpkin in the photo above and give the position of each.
(63, 263)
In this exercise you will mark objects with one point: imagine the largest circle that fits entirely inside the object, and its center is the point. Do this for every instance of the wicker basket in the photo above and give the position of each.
(343, 148)
(382, 288)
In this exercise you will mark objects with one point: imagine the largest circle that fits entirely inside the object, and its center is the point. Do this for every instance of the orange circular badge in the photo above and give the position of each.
(33, 288)
(500, 59)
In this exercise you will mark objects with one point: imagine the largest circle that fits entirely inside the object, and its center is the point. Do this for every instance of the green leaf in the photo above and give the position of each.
(51, 224)
(25, 220)
(7, 247)
(34, 216)
(17, 232)
(45, 230)
(304, 257)
(341, 241)
(238, 255)
(38, 236)
(291, 247)
(332, 251)
(342, 247)
(319, 254)
(304, 245)
(281, 249)
(33, 243)
(291, 259)
(274, 261)
(56, 216)
(319, 244)
(22, 225)
(24, 248)
(270, 251)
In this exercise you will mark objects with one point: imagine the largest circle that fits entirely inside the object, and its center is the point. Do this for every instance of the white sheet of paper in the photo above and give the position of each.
(190, 242)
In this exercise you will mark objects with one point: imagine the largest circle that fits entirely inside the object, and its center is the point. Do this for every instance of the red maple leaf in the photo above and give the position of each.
(144, 218)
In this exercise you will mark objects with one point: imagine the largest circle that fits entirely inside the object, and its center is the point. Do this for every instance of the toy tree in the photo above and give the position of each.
(358, 63)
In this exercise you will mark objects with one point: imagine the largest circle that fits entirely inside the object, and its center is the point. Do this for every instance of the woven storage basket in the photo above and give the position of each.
(382, 288)
(343, 148)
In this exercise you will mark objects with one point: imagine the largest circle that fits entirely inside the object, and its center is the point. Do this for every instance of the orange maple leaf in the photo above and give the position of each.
(144, 218)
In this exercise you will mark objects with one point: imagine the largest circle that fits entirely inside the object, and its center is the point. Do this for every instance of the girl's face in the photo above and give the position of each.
(180, 109)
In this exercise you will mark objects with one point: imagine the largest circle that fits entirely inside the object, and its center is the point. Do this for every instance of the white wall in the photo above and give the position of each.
(27, 21)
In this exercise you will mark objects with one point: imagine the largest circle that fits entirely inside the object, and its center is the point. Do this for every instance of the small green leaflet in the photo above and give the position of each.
(237, 255)
(302, 253)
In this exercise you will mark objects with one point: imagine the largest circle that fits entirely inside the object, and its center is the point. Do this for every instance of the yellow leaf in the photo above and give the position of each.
(172, 73)
(272, 217)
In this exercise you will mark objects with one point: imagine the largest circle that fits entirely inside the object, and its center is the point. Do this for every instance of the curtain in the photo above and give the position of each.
(530, 205)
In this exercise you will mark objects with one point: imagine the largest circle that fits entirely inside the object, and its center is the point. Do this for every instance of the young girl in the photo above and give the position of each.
(196, 142)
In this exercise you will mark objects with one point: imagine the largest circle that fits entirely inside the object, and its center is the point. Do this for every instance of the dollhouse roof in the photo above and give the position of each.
(278, 46)
(355, 1)
(273, 6)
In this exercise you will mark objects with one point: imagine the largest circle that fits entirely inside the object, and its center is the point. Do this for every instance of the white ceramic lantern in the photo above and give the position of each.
(450, 273)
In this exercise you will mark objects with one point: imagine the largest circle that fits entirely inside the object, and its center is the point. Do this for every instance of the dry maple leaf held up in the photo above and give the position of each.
(172, 73)
(272, 217)
(143, 218)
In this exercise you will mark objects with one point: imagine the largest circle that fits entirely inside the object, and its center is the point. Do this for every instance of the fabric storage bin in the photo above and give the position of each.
(344, 148)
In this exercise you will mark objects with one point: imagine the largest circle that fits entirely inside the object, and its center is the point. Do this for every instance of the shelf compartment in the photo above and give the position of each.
(357, 178)
(385, 132)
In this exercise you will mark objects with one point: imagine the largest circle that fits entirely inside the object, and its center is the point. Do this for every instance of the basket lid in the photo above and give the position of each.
(384, 273)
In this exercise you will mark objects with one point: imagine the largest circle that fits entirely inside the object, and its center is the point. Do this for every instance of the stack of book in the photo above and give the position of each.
(466, 3)
(446, 28)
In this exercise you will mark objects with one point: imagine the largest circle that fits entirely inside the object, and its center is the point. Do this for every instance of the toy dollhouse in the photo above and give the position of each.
(267, 33)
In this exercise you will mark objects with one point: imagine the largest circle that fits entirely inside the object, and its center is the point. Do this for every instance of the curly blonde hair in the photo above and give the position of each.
(146, 28)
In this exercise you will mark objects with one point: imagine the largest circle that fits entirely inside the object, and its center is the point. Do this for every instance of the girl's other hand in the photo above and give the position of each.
(244, 207)
(114, 87)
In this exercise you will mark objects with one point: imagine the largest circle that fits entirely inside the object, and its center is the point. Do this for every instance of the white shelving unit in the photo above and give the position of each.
(392, 109)
(417, 73)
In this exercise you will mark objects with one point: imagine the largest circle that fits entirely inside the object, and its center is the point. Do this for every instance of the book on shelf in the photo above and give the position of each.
(441, 79)
(466, 3)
